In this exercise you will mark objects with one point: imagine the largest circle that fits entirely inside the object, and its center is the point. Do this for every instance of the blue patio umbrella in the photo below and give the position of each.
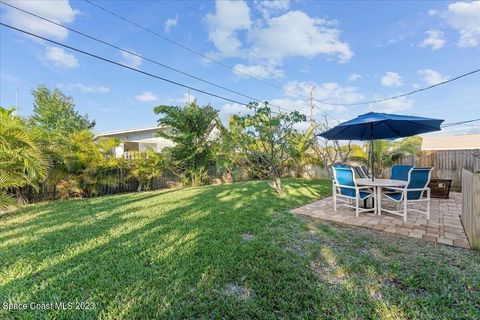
(372, 126)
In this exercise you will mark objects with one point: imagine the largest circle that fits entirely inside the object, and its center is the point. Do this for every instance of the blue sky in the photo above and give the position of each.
(348, 51)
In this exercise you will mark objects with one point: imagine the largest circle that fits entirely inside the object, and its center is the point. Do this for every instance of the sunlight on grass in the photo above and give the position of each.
(226, 251)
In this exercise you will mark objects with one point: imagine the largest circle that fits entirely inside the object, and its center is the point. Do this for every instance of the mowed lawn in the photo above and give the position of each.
(227, 251)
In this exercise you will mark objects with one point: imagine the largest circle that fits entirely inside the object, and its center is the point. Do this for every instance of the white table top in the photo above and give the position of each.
(381, 182)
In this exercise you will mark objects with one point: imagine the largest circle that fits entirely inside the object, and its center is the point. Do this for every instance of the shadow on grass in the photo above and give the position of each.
(161, 254)
(369, 274)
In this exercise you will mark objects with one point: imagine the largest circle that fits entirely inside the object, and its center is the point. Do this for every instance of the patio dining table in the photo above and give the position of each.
(378, 185)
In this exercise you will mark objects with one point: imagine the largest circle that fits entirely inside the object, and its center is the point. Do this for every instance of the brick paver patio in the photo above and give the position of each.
(444, 226)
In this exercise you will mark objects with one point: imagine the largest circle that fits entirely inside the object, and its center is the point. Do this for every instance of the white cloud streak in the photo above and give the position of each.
(146, 96)
(60, 58)
(170, 23)
(435, 40)
(391, 79)
(431, 77)
(130, 59)
(465, 18)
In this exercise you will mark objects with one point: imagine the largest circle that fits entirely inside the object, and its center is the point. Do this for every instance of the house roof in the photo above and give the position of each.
(112, 133)
(458, 142)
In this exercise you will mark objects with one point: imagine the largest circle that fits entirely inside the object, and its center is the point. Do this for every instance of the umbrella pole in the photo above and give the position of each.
(373, 159)
(371, 151)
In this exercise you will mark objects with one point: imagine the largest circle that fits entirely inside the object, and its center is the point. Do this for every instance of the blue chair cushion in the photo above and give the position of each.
(394, 195)
(351, 193)
(411, 195)
(400, 172)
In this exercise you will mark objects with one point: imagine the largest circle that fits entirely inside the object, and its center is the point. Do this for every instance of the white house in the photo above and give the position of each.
(137, 140)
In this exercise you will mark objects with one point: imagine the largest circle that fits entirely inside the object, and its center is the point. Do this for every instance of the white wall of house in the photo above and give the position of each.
(146, 138)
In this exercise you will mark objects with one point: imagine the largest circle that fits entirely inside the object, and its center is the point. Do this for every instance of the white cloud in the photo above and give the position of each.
(146, 96)
(272, 39)
(297, 34)
(232, 109)
(269, 7)
(432, 12)
(435, 39)
(170, 23)
(60, 58)
(391, 79)
(87, 89)
(59, 11)
(185, 98)
(392, 106)
(130, 59)
(465, 18)
(259, 71)
(325, 92)
(431, 77)
(229, 18)
(354, 77)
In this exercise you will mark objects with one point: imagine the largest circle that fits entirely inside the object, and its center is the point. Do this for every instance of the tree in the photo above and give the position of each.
(86, 165)
(148, 167)
(330, 151)
(386, 153)
(21, 160)
(301, 143)
(266, 140)
(192, 131)
(54, 112)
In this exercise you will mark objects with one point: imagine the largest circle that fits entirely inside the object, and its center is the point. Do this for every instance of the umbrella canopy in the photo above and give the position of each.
(373, 125)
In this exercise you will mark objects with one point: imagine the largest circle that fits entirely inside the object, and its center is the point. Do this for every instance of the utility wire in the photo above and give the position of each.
(447, 125)
(123, 65)
(196, 52)
(140, 56)
(265, 82)
(404, 94)
(182, 46)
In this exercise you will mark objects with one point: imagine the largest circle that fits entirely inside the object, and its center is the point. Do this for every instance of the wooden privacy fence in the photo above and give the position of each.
(471, 205)
(124, 184)
(447, 164)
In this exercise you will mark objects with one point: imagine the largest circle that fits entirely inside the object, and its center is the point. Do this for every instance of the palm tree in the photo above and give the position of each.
(146, 168)
(22, 162)
(83, 164)
(192, 131)
(301, 143)
(386, 153)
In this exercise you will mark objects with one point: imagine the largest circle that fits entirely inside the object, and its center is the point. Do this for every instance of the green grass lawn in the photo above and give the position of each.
(228, 251)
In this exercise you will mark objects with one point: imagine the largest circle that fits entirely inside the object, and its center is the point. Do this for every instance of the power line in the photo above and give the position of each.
(140, 56)
(404, 94)
(182, 45)
(123, 65)
(176, 43)
(447, 125)
(268, 83)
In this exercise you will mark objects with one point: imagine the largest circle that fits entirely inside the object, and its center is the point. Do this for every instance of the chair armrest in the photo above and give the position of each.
(418, 189)
(342, 186)
(395, 188)
(365, 188)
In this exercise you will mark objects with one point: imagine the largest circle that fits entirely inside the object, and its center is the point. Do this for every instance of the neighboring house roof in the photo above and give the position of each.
(117, 132)
(458, 142)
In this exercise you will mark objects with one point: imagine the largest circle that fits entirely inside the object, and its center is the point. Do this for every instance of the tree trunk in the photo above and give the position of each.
(20, 197)
(276, 184)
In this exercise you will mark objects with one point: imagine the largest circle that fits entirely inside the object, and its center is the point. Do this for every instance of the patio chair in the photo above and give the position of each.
(413, 192)
(360, 172)
(400, 172)
(337, 165)
(365, 169)
(345, 189)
